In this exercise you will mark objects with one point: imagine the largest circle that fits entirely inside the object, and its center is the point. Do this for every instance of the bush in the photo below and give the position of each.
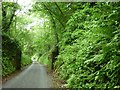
(6, 62)
(90, 53)
(26, 60)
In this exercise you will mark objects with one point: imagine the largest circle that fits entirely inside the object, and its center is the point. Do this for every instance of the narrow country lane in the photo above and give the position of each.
(35, 76)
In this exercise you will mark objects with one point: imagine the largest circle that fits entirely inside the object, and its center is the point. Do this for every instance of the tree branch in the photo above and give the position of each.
(60, 9)
(52, 13)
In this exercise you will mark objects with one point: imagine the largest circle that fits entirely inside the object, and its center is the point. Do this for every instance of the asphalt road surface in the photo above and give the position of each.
(35, 76)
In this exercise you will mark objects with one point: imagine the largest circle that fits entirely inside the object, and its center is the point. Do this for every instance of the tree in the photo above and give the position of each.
(89, 55)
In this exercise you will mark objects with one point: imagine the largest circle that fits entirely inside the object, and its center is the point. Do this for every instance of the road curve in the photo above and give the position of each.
(35, 76)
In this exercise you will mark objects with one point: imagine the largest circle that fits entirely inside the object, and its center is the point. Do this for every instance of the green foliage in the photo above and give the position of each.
(11, 54)
(0, 16)
(15, 39)
(25, 60)
(88, 36)
(85, 35)
(8, 14)
(5, 64)
(44, 60)
(89, 54)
